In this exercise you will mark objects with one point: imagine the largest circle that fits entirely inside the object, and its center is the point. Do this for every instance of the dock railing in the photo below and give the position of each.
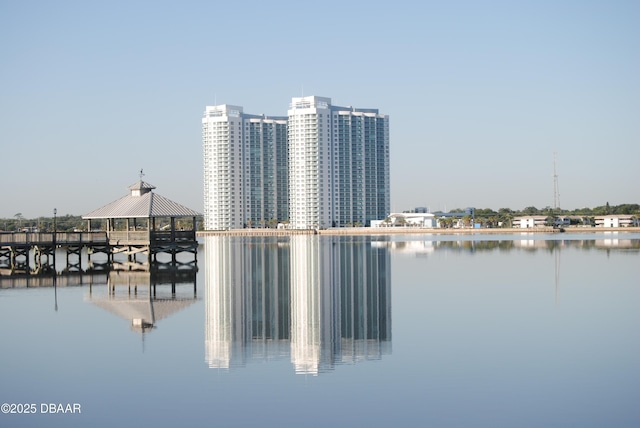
(150, 237)
(47, 238)
(175, 236)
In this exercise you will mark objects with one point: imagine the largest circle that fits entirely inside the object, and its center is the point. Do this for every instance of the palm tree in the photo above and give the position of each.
(445, 222)
(19, 217)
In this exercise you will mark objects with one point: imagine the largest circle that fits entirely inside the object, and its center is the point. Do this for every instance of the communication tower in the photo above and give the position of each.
(556, 191)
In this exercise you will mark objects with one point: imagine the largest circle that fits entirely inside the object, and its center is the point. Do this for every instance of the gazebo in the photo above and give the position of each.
(144, 222)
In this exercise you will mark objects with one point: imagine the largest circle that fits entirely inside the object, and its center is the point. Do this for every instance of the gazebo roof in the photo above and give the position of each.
(141, 202)
(147, 311)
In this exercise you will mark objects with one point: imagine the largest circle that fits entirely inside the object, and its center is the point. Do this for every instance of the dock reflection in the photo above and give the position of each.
(142, 297)
(318, 301)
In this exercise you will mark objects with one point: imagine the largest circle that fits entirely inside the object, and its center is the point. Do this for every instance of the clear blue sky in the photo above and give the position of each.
(480, 94)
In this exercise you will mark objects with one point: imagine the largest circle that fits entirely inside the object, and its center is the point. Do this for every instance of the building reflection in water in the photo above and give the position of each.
(318, 301)
(525, 241)
(246, 300)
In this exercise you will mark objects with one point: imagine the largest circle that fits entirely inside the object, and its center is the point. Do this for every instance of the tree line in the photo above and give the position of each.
(503, 217)
(63, 223)
(484, 216)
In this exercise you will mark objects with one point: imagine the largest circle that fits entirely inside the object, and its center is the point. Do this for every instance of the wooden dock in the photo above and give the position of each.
(35, 252)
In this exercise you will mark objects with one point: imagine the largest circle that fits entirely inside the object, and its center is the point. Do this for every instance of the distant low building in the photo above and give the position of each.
(617, 220)
(531, 221)
(426, 220)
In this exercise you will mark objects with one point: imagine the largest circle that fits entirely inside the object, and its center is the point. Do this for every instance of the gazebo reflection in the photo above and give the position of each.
(146, 297)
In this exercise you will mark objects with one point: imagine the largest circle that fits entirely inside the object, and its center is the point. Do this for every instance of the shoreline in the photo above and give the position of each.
(368, 231)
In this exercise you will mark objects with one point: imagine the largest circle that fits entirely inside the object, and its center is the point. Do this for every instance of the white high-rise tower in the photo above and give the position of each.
(310, 166)
(223, 187)
(338, 164)
(246, 175)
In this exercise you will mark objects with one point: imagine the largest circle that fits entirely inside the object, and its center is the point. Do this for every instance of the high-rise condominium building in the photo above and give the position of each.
(245, 168)
(322, 166)
(338, 164)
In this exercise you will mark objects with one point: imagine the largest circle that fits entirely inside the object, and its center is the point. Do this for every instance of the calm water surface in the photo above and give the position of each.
(503, 331)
